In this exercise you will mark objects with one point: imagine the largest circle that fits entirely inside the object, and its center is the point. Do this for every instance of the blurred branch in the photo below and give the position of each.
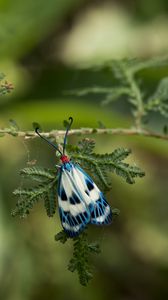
(86, 131)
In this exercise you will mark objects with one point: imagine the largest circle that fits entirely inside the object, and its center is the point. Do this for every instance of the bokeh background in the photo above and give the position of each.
(42, 43)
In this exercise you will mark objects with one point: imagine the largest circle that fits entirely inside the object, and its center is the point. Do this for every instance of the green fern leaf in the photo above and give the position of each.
(159, 100)
(46, 190)
(62, 237)
(38, 174)
(118, 155)
(80, 260)
(27, 199)
(50, 201)
(86, 146)
(100, 165)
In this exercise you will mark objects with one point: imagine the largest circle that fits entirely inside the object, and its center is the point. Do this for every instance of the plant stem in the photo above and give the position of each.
(87, 131)
(139, 112)
(140, 109)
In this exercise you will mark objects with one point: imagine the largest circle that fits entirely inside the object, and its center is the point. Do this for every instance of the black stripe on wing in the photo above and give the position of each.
(101, 212)
(73, 225)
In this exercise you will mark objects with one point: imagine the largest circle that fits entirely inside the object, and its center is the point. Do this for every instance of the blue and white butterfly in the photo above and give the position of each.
(80, 200)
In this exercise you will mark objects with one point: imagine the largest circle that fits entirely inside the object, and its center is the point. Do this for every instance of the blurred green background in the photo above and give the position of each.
(41, 45)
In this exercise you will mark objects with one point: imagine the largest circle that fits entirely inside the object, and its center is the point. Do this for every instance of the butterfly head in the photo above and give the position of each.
(65, 159)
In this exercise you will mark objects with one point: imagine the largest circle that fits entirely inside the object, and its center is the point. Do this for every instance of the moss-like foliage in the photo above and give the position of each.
(44, 188)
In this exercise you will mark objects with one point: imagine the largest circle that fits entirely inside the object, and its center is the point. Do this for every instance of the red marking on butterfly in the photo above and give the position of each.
(64, 159)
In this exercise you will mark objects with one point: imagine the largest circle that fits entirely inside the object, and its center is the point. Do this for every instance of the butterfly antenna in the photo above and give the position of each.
(50, 143)
(66, 133)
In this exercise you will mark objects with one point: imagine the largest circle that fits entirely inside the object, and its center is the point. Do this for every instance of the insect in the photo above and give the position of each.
(80, 200)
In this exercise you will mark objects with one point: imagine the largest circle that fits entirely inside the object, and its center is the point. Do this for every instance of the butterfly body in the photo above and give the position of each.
(80, 201)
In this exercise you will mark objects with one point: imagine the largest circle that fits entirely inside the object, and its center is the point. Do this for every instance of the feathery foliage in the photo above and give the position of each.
(159, 100)
(82, 249)
(45, 190)
(80, 257)
(80, 260)
(127, 85)
(101, 164)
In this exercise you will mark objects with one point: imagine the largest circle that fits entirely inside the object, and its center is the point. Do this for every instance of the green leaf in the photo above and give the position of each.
(80, 257)
(159, 100)
(136, 65)
(118, 154)
(115, 212)
(100, 165)
(94, 248)
(116, 93)
(50, 201)
(80, 260)
(111, 93)
(46, 190)
(27, 199)
(86, 146)
(38, 174)
(62, 237)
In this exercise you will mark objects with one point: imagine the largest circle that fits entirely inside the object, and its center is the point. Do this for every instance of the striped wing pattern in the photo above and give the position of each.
(80, 200)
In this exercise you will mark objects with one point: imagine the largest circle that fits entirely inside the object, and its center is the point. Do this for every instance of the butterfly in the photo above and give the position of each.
(80, 200)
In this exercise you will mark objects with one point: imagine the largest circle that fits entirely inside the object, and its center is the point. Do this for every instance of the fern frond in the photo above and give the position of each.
(46, 190)
(101, 164)
(135, 65)
(50, 201)
(123, 73)
(86, 146)
(159, 100)
(38, 174)
(80, 260)
(126, 171)
(111, 93)
(27, 199)
(61, 237)
(118, 154)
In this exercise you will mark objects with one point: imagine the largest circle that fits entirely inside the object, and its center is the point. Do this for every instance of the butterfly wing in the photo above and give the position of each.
(74, 212)
(80, 200)
(100, 211)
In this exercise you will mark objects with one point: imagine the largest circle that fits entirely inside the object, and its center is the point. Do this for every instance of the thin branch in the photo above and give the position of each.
(136, 92)
(140, 109)
(87, 131)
